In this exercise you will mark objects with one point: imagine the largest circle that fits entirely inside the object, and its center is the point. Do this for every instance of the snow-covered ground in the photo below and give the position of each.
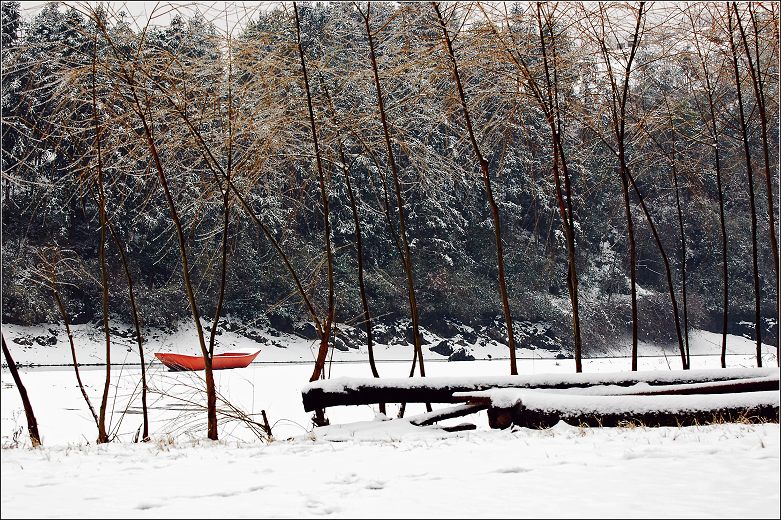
(700, 472)
(361, 466)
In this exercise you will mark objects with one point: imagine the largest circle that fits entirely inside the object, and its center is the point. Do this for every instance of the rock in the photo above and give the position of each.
(306, 330)
(547, 343)
(353, 338)
(122, 333)
(442, 348)
(339, 344)
(495, 334)
(227, 325)
(383, 334)
(398, 340)
(281, 322)
(461, 354)
(402, 335)
(23, 340)
(469, 335)
(254, 335)
(443, 327)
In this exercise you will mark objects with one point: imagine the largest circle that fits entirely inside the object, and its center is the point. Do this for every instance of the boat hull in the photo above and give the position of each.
(184, 362)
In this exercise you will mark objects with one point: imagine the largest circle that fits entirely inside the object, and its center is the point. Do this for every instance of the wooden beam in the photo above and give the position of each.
(451, 412)
(719, 387)
(361, 391)
(538, 418)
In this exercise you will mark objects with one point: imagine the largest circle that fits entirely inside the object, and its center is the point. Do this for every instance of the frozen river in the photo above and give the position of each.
(176, 398)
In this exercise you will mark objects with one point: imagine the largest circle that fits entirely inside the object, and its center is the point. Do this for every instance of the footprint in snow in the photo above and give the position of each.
(376, 485)
(143, 506)
(347, 479)
(40, 484)
(318, 508)
(512, 469)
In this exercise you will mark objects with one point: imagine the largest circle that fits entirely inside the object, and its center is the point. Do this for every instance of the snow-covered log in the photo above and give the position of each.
(542, 409)
(451, 412)
(360, 391)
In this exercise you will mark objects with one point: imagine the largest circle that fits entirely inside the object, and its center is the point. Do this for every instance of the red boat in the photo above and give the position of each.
(180, 362)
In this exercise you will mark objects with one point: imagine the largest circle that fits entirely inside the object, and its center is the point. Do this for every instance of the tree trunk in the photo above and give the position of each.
(358, 237)
(683, 248)
(407, 259)
(361, 285)
(32, 423)
(750, 187)
(102, 431)
(553, 117)
(619, 101)
(137, 325)
(367, 320)
(568, 215)
(324, 195)
(489, 194)
(720, 189)
(630, 233)
(225, 213)
(667, 269)
(66, 321)
(211, 398)
(759, 93)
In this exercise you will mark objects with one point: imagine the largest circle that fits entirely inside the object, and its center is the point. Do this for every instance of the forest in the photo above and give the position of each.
(609, 169)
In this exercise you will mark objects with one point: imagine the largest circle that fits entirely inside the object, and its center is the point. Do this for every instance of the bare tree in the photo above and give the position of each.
(619, 96)
(391, 163)
(682, 231)
(755, 71)
(46, 272)
(547, 98)
(224, 178)
(325, 199)
(137, 325)
(672, 156)
(483, 163)
(128, 77)
(749, 185)
(367, 321)
(102, 431)
(714, 135)
(226, 203)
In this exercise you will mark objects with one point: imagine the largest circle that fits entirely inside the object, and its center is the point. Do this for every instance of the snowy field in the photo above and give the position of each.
(361, 466)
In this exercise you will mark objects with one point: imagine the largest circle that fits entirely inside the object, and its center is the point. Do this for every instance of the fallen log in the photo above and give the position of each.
(451, 412)
(541, 409)
(733, 386)
(361, 391)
